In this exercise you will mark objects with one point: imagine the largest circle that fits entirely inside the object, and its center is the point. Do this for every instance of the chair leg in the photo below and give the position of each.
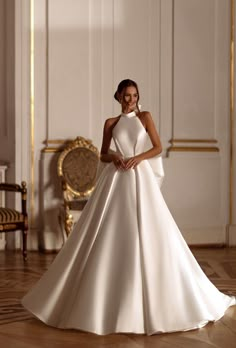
(24, 237)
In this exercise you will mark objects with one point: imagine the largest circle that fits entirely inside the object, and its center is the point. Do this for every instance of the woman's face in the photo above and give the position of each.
(129, 99)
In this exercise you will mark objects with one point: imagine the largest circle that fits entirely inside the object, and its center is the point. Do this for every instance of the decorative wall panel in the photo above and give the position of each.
(194, 69)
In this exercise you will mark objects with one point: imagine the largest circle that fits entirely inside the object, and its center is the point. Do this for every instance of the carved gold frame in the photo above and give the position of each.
(79, 142)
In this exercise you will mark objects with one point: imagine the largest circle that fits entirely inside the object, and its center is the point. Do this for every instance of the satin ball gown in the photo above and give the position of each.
(125, 267)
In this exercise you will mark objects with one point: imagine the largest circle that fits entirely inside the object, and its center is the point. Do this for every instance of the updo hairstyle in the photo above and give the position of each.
(123, 85)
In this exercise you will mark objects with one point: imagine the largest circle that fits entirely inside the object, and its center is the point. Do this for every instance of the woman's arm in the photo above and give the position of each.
(156, 149)
(106, 142)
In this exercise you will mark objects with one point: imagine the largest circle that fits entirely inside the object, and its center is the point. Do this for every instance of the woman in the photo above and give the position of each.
(127, 95)
(126, 266)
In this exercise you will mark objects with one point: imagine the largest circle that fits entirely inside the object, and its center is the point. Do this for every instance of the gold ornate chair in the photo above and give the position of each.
(13, 220)
(77, 168)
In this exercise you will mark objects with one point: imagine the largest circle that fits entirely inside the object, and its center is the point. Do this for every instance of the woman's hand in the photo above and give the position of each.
(118, 162)
(133, 162)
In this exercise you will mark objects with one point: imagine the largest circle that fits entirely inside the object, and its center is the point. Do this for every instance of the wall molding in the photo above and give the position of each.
(192, 145)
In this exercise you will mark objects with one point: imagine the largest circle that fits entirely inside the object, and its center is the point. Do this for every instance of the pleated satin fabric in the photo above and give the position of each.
(126, 267)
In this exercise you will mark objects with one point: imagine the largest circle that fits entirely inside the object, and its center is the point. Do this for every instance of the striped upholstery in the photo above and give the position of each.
(12, 220)
(10, 216)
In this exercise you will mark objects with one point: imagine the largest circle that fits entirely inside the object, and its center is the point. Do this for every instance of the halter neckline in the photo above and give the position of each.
(130, 114)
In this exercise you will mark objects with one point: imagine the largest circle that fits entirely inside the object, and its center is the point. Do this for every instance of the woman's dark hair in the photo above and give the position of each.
(123, 85)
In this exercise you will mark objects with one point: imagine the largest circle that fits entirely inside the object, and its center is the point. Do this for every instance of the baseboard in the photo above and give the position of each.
(205, 236)
(48, 251)
(207, 246)
(231, 235)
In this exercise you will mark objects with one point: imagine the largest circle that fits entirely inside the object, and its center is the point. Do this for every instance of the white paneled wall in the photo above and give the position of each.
(92, 45)
(178, 52)
(232, 224)
(69, 68)
(200, 115)
(89, 50)
(194, 69)
(2, 71)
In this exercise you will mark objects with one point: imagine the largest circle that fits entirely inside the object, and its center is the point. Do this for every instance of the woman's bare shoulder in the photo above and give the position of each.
(110, 122)
(145, 117)
(144, 114)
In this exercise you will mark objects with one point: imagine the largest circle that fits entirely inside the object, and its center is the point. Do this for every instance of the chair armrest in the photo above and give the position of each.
(14, 187)
(17, 188)
(10, 187)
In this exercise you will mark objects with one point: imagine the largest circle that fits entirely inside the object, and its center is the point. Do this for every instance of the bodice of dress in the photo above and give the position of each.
(129, 135)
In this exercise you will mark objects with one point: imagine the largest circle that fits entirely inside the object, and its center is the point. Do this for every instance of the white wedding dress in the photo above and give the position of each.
(126, 267)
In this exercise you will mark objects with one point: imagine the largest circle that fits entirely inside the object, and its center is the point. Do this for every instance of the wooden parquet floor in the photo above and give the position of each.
(18, 329)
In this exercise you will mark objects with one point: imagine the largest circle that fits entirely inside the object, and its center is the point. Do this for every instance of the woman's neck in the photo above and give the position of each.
(127, 110)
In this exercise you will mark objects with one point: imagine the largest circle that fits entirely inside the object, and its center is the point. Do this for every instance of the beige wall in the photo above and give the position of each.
(200, 112)
(178, 52)
(2, 70)
(7, 85)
